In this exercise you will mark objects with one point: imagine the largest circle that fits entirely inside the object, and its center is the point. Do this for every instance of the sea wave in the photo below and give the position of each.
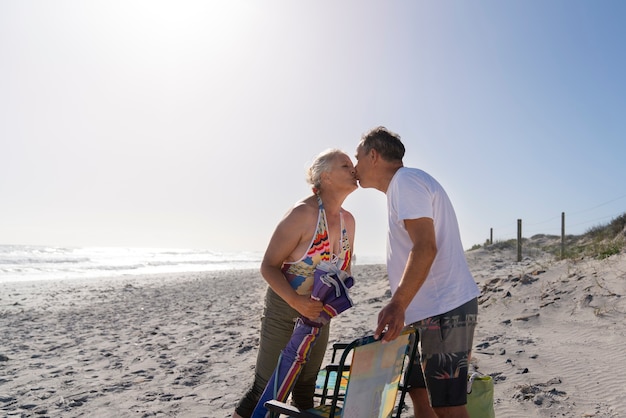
(20, 262)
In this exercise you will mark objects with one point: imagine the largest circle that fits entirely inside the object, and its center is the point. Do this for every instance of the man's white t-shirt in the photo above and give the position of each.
(413, 194)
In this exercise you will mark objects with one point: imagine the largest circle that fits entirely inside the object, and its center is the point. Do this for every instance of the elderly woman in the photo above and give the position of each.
(314, 230)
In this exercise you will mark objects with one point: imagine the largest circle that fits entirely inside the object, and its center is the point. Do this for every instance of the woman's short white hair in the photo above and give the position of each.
(322, 163)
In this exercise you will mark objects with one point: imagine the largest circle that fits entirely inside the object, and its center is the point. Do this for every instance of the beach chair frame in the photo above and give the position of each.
(330, 372)
(339, 400)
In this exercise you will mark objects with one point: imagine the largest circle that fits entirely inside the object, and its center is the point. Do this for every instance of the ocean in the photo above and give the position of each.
(24, 262)
(27, 262)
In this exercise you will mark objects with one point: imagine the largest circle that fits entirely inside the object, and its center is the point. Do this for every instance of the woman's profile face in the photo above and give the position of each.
(342, 171)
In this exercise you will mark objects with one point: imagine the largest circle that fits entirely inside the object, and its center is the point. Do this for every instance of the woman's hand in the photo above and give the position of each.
(307, 307)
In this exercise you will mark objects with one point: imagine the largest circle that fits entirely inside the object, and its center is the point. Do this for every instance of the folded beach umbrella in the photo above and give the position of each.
(331, 287)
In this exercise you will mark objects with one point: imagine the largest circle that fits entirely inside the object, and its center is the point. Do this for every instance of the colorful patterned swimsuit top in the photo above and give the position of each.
(300, 273)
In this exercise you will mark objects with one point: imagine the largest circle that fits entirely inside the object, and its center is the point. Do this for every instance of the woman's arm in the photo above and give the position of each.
(292, 230)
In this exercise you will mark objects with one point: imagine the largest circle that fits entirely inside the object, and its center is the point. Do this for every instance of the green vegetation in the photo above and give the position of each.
(599, 242)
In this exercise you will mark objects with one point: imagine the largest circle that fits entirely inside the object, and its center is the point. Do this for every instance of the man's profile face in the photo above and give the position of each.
(362, 167)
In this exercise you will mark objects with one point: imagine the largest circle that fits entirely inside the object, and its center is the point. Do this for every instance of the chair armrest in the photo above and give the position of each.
(340, 346)
(335, 367)
(336, 348)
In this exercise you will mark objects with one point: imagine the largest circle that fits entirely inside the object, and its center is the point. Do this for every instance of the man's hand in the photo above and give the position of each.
(390, 322)
(307, 307)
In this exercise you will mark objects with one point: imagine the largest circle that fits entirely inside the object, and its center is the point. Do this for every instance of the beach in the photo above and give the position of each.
(551, 333)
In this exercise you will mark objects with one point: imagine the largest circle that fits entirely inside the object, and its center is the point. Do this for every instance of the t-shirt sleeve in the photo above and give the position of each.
(413, 198)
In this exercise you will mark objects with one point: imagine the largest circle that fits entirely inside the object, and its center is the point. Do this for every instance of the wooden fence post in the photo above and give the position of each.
(562, 235)
(519, 240)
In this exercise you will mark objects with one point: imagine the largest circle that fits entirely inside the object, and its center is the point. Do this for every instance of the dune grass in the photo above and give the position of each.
(600, 242)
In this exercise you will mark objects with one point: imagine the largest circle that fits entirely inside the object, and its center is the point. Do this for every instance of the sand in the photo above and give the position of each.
(552, 334)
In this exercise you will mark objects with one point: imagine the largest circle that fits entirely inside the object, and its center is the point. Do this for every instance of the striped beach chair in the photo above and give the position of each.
(370, 378)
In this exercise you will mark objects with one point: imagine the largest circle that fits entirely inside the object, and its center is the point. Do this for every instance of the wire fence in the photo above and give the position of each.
(574, 221)
(556, 226)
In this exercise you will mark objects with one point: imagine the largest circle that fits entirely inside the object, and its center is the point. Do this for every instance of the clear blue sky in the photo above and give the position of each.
(190, 123)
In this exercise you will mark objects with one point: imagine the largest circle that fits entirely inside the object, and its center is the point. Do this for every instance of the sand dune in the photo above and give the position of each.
(551, 333)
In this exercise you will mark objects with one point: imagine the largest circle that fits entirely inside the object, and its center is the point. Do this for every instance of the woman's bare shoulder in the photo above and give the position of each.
(302, 210)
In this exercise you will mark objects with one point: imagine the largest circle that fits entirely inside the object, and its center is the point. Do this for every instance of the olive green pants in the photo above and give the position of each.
(276, 328)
